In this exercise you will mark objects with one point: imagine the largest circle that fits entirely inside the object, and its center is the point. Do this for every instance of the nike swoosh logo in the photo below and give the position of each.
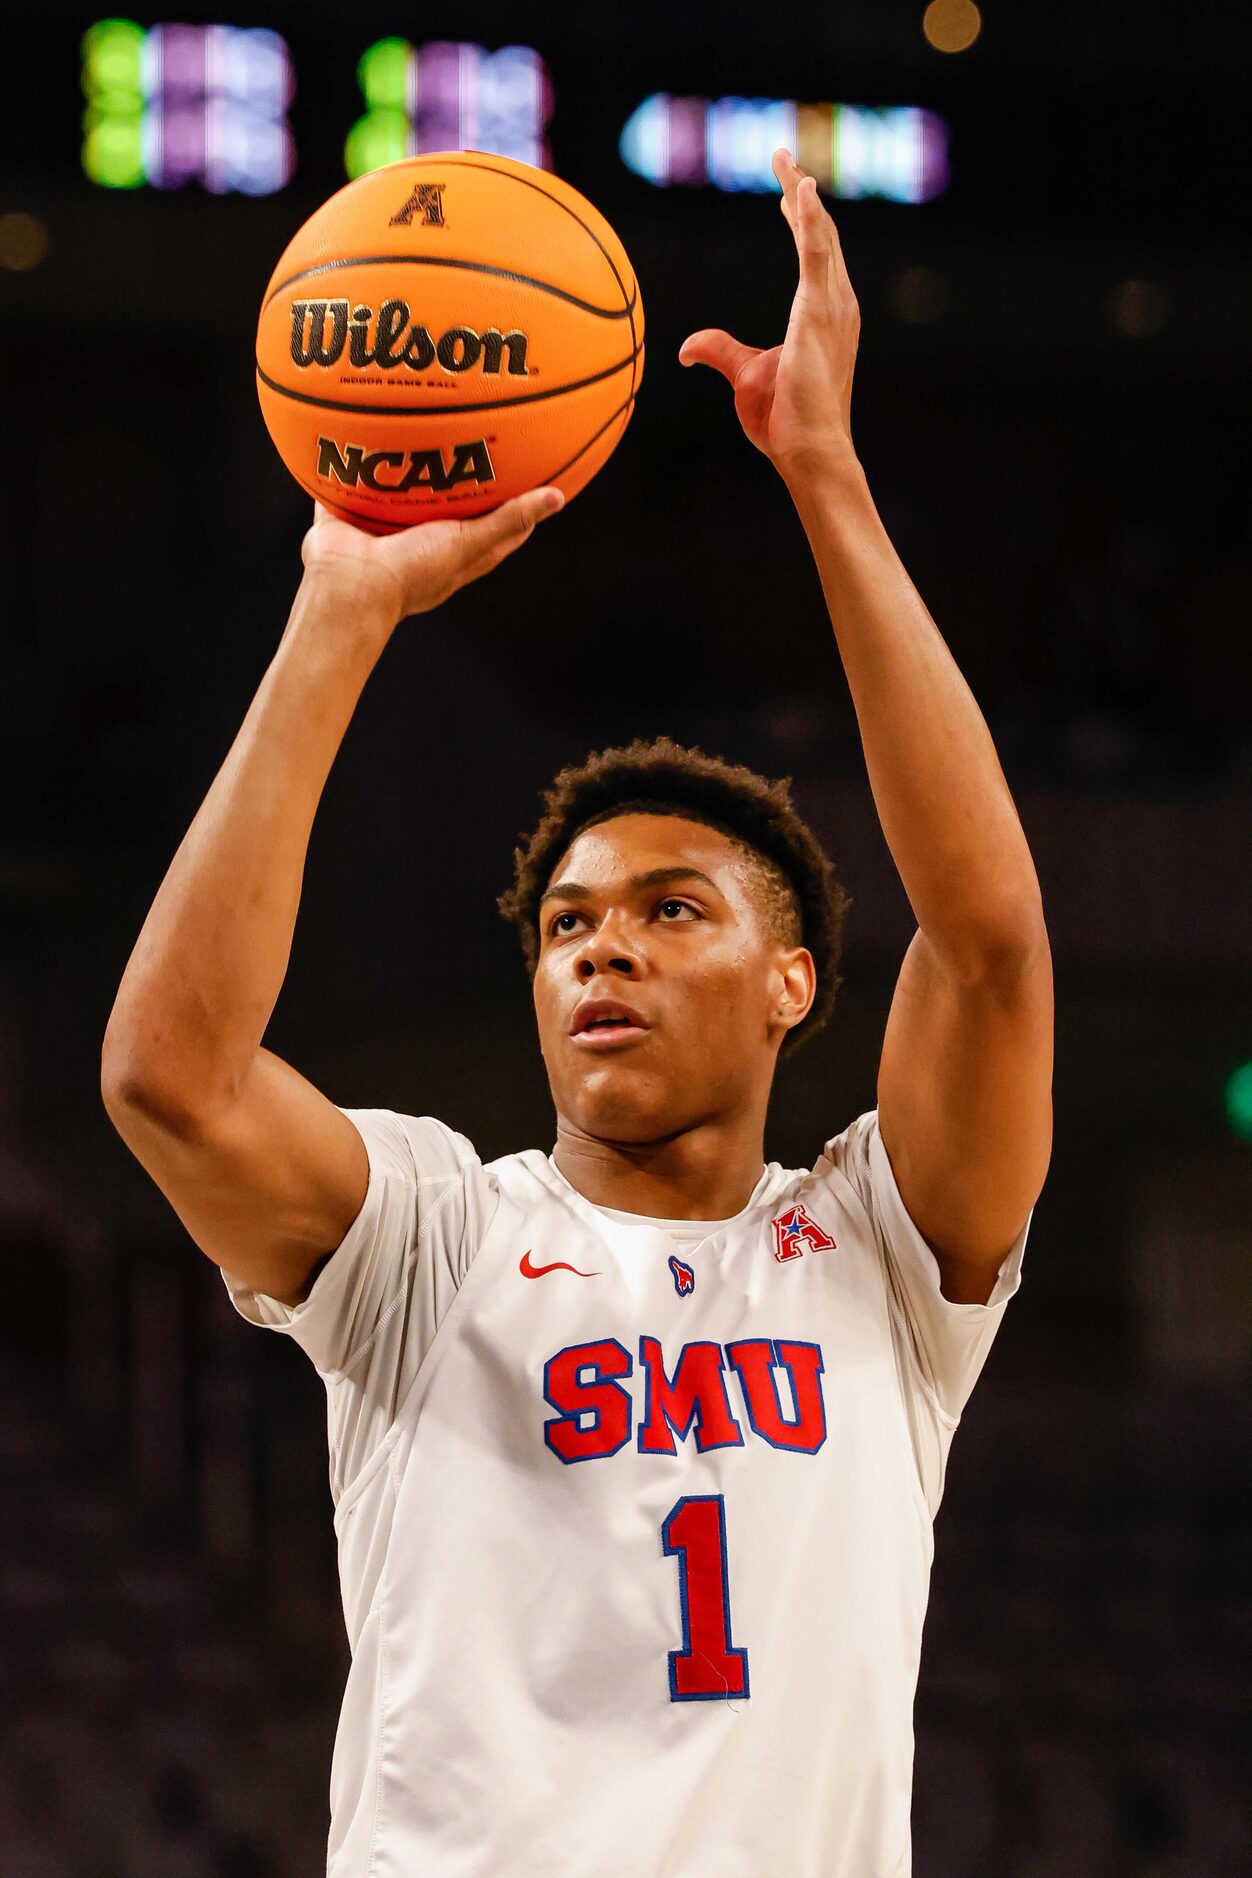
(558, 1265)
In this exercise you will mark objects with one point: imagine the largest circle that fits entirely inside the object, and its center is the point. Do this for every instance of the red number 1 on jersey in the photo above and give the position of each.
(708, 1668)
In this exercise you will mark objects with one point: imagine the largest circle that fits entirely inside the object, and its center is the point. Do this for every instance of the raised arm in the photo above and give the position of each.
(265, 1173)
(964, 1088)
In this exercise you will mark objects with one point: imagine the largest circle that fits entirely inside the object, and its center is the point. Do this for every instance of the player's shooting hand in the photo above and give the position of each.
(418, 568)
(795, 400)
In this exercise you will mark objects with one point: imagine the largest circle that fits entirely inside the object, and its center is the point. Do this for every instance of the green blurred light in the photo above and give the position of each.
(113, 82)
(113, 151)
(1239, 1101)
(383, 75)
(113, 61)
(377, 138)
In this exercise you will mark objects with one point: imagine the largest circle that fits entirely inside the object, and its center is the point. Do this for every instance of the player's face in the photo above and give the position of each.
(660, 985)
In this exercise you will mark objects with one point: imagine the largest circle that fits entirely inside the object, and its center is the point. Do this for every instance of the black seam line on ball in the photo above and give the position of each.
(463, 163)
(526, 183)
(470, 267)
(442, 410)
(591, 440)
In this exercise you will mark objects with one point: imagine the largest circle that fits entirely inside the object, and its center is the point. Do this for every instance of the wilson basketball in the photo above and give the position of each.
(447, 332)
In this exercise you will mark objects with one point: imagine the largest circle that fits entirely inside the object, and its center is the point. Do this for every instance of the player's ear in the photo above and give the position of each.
(794, 987)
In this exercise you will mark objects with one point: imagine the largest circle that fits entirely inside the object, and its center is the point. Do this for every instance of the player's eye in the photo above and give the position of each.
(557, 929)
(672, 910)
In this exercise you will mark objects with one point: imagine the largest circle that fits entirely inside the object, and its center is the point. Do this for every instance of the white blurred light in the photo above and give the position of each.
(741, 138)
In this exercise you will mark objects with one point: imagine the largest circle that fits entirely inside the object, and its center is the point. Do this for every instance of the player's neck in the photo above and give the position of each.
(707, 1172)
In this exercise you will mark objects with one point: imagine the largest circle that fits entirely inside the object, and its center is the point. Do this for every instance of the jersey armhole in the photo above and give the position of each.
(904, 1343)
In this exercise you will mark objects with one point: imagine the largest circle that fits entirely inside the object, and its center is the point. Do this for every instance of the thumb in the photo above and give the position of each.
(726, 355)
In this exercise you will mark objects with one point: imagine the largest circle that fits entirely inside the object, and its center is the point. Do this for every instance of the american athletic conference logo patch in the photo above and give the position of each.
(684, 1276)
(797, 1232)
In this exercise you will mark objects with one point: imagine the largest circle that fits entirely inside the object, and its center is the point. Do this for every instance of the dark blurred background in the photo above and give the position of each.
(1052, 405)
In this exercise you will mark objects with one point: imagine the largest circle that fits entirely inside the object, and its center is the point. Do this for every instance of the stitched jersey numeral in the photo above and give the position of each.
(708, 1668)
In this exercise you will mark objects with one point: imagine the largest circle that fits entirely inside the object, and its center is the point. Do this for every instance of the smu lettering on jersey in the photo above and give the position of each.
(634, 1516)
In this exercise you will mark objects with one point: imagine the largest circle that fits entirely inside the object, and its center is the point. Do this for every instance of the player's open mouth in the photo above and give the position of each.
(603, 1022)
(608, 1031)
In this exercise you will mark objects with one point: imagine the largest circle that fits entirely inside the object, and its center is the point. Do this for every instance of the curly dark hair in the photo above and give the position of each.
(801, 893)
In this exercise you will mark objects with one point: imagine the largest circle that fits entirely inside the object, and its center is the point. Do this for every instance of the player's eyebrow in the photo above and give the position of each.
(654, 877)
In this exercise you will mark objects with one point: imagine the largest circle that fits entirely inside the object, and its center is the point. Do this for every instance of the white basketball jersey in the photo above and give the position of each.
(634, 1516)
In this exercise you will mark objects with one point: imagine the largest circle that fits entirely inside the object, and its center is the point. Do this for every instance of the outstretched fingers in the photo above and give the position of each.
(789, 176)
(806, 218)
(817, 238)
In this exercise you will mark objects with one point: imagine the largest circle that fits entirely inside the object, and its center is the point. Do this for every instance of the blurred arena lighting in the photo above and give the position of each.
(172, 104)
(920, 296)
(450, 95)
(951, 25)
(1138, 308)
(1239, 1101)
(23, 241)
(898, 152)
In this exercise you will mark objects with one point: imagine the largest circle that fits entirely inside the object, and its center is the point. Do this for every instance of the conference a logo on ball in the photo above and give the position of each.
(398, 472)
(322, 330)
(426, 202)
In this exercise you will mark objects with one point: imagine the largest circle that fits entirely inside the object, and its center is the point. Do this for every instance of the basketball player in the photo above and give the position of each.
(635, 1447)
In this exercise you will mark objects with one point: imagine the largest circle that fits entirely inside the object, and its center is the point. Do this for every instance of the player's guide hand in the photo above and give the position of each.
(795, 400)
(418, 568)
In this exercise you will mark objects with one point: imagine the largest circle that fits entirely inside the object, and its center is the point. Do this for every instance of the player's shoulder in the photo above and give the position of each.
(856, 1161)
(848, 1155)
(414, 1148)
(424, 1150)
(843, 1171)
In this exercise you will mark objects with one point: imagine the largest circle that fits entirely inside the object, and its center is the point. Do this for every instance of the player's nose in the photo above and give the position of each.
(612, 948)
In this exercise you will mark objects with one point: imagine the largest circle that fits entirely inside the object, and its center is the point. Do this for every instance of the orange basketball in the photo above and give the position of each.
(445, 333)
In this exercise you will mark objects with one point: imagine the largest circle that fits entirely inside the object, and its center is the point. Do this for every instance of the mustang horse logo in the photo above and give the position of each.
(684, 1276)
